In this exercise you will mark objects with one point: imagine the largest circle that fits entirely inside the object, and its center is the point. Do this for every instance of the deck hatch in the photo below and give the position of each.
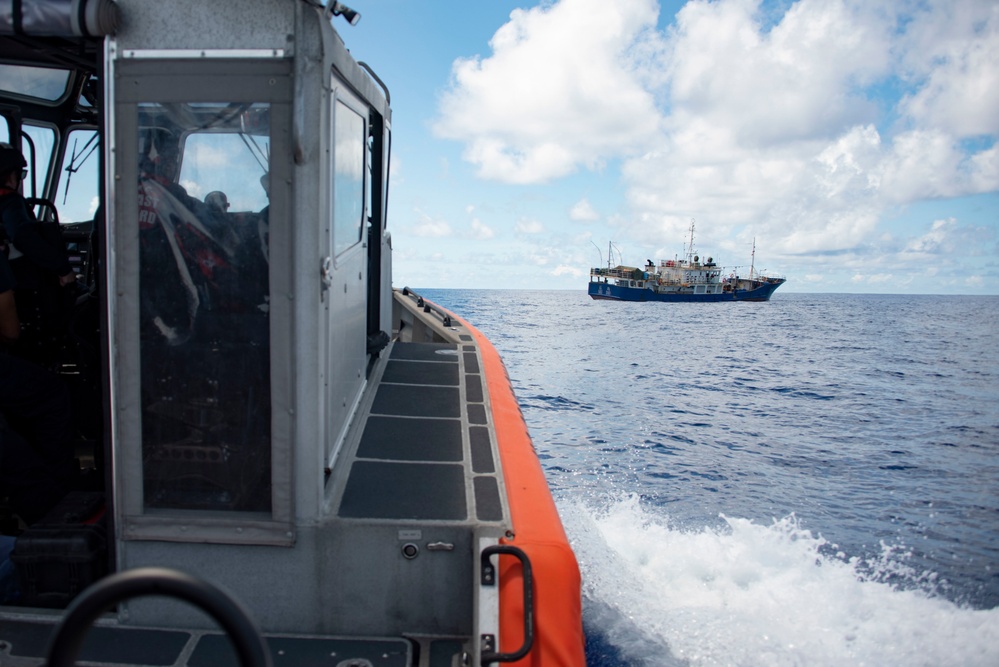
(396, 490)
(411, 439)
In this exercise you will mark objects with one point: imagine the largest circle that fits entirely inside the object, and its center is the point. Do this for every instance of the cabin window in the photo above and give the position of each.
(40, 83)
(349, 148)
(203, 227)
(37, 145)
(77, 196)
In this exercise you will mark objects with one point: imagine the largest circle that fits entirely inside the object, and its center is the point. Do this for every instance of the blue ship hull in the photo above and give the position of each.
(600, 290)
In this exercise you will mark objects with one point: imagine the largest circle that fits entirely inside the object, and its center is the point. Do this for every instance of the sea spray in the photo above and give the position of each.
(742, 593)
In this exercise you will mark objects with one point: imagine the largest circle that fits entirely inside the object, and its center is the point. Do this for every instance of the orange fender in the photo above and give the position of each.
(538, 531)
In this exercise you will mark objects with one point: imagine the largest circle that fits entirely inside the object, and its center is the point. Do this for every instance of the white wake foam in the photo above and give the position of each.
(750, 594)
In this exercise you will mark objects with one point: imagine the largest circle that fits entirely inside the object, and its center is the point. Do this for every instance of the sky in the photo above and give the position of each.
(853, 140)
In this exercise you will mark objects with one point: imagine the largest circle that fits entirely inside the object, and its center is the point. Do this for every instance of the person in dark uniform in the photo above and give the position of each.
(38, 260)
(21, 228)
(37, 465)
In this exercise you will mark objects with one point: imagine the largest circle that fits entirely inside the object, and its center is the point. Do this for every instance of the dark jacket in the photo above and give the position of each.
(31, 237)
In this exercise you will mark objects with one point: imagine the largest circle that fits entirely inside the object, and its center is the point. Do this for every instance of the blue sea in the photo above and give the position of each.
(808, 481)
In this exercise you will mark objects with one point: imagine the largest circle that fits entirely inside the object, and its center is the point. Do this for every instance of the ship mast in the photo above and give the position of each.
(752, 262)
(690, 248)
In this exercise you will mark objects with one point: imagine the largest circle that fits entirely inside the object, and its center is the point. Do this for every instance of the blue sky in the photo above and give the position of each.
(855, 141)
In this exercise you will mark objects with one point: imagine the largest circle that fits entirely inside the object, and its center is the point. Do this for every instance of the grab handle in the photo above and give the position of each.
(489, 578)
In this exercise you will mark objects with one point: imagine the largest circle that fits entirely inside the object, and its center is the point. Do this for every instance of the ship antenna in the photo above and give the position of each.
(690, 248)
(600, 253)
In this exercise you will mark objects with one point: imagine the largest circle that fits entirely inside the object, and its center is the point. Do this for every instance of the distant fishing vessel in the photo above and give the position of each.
(687, 279)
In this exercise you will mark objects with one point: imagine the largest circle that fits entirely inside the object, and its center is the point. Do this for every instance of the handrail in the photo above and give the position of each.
(66, 641)
(489, 578)
(429, 306)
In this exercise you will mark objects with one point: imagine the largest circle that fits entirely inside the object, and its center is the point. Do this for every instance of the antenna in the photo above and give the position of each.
(690, 248)
(599, 252)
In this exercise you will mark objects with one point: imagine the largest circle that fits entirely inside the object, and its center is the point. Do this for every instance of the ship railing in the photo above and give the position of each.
(612, 273)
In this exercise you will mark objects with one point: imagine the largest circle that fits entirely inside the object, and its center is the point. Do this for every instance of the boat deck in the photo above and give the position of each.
(425, 451)
(419, 461)
(165, 648)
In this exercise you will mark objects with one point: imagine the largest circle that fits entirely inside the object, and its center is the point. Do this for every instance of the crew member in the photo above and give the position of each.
(22, 230)
(37, 467)
(39, 263)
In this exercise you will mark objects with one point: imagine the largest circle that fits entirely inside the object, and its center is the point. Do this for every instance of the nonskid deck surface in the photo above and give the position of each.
(425, 441)
(159, 647)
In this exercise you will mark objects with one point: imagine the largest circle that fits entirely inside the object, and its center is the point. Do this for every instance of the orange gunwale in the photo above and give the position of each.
(538, 531)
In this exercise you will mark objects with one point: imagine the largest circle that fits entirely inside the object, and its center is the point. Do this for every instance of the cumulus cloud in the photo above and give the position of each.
(429, 227)
(481, 231)
(952, 50)
(565, 270)
(528, 226)
(583, 211)
(563, 88)
(797, 122)
(782, 128)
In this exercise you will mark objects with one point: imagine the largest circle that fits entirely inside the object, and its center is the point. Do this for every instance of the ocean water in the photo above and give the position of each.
(808, 481)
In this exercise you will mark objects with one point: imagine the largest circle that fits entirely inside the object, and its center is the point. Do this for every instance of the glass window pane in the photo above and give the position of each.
(38, 82)
(204, 304)
(42, 139)
(348, 178)
(77, 197)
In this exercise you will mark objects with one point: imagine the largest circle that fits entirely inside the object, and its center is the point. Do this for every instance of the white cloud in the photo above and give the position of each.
(879, 278)
(773, 129)
(583, 211)
(953, 49)
(481, 231)
(790, 83)
(528, 226)
(564, 270)
(430, 227)
(933, 241)
(562, 89)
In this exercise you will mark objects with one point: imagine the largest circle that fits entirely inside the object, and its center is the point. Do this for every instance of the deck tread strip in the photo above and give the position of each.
(411, 461)
(411, 439)
(405, 490)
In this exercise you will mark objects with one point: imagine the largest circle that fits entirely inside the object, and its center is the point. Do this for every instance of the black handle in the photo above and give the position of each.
(489, 578)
